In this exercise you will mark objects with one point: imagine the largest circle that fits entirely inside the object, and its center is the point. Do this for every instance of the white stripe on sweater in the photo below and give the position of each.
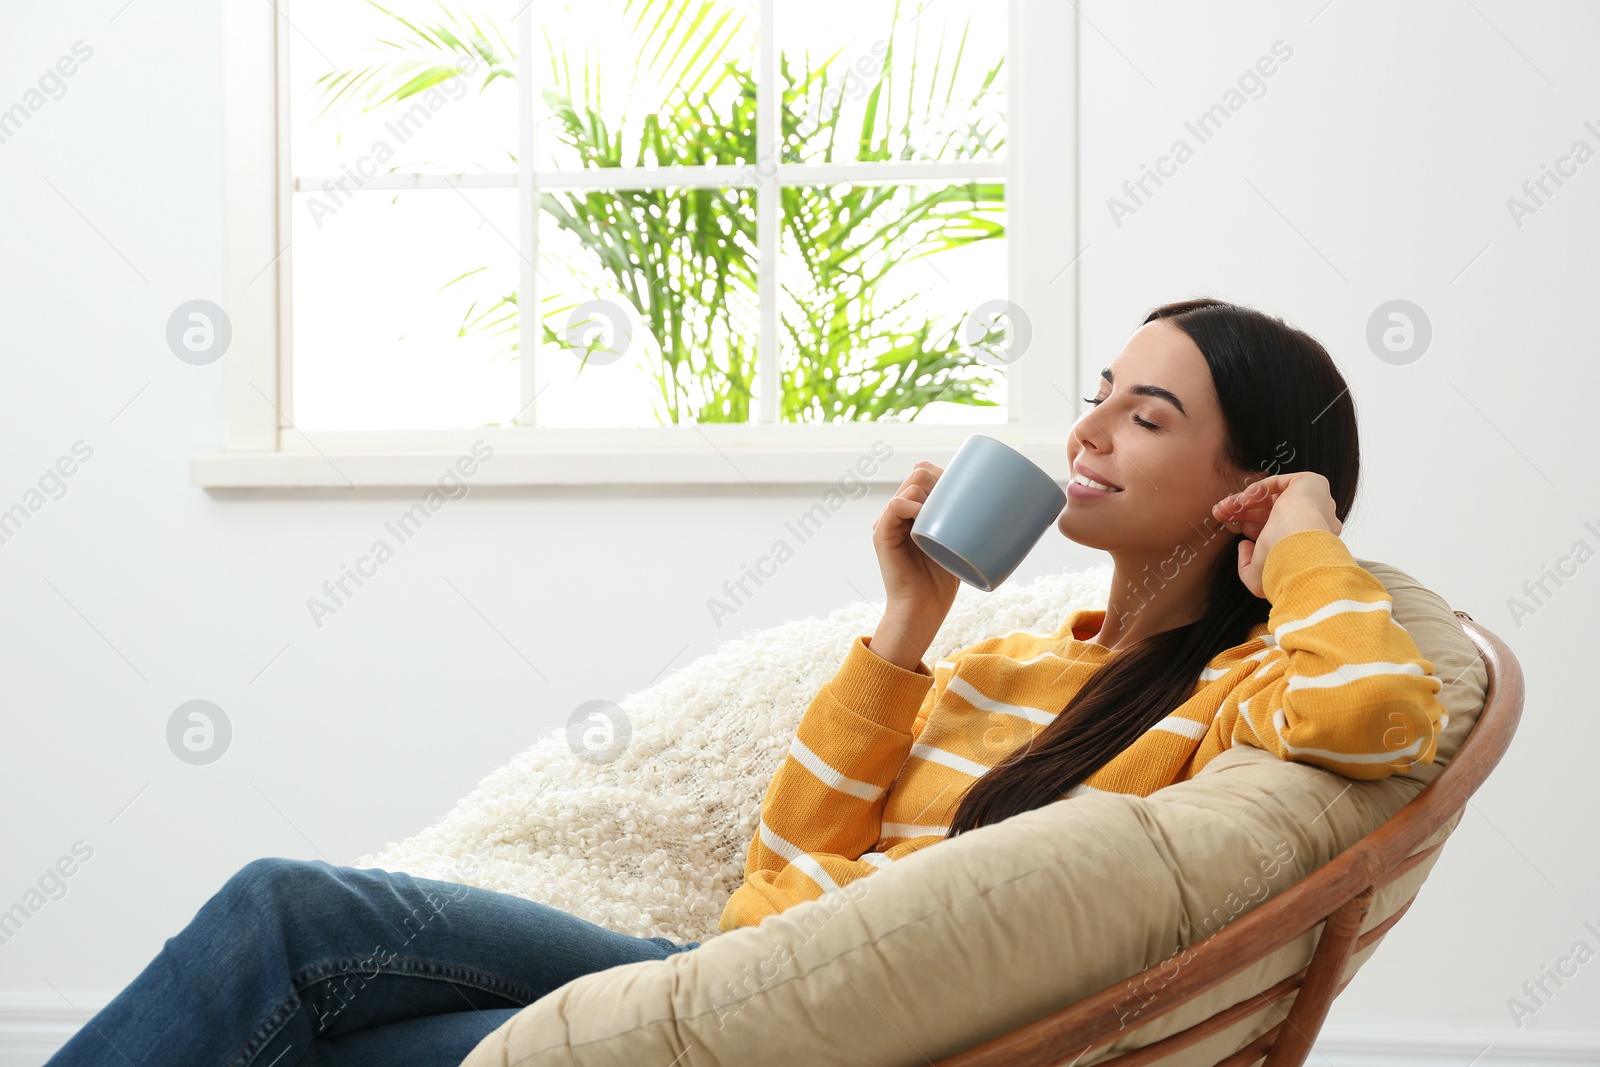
(1178, 724)
(1413, 749)
(949, 759)
(797, 857)
(1211, 674)
(877, 859)
(1327, 611)
(830, 777)
(961, 686)
(908, 829)
(1350, 672)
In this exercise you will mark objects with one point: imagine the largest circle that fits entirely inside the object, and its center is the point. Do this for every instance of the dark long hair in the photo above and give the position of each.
(1287, 408)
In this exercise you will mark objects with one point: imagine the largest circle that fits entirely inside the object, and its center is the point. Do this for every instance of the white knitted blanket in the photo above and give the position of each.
(653, 842)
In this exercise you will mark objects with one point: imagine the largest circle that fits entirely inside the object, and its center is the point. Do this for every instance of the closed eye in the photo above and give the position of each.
(1142, 422)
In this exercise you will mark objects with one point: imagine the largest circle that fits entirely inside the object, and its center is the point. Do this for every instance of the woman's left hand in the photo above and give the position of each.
(1270, 509)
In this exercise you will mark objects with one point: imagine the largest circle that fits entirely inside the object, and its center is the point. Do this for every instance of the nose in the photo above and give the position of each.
(1087, 433)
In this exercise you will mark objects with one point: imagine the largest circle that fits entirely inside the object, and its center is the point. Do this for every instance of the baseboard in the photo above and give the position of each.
(1452, 1046)
(34, 1026)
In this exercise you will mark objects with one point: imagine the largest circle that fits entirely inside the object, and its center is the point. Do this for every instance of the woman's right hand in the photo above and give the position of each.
(918, 589)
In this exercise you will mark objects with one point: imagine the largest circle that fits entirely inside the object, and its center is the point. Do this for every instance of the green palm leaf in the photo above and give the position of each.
(686, 259)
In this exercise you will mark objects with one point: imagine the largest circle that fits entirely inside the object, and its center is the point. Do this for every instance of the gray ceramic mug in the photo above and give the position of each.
(986, 512)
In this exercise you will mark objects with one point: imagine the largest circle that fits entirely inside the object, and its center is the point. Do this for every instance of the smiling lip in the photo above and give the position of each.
(1081, 491)
(1089, 472)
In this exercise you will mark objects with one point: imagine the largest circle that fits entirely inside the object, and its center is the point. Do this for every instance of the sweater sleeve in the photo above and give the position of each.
(1344, 686)
(823, 811)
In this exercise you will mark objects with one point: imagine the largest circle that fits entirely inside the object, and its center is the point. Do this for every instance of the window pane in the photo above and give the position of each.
(877, 79)
(424, 90)
(879, 284)
(396, 301)
(406, 305)
(645, 82)
(658, 288)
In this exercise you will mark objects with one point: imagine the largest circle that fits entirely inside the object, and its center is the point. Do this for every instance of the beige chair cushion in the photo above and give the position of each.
(981, 934)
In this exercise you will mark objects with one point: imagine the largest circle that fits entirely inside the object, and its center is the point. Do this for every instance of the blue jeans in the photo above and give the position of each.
(302, 962)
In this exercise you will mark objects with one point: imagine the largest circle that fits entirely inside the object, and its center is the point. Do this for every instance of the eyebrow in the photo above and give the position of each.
(1150, 390)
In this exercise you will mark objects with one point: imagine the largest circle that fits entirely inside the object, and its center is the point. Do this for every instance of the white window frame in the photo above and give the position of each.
(262, 448)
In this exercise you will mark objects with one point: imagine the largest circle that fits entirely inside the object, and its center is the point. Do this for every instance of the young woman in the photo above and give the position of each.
(1218, 462)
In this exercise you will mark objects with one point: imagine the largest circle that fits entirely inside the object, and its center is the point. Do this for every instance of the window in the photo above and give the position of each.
(761, 236)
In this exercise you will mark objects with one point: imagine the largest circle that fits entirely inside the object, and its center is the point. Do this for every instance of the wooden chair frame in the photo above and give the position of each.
(1336, 895)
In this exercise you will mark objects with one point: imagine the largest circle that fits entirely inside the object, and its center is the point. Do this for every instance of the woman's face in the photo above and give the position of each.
(1157, 434)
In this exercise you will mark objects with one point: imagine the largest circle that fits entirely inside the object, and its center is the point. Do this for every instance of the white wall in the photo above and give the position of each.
(1376, 165)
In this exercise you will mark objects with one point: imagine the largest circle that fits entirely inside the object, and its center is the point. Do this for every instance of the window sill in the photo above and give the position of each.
(880, 463)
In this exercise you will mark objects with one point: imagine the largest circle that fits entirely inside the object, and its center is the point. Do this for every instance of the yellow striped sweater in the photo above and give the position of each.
(883, 755)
